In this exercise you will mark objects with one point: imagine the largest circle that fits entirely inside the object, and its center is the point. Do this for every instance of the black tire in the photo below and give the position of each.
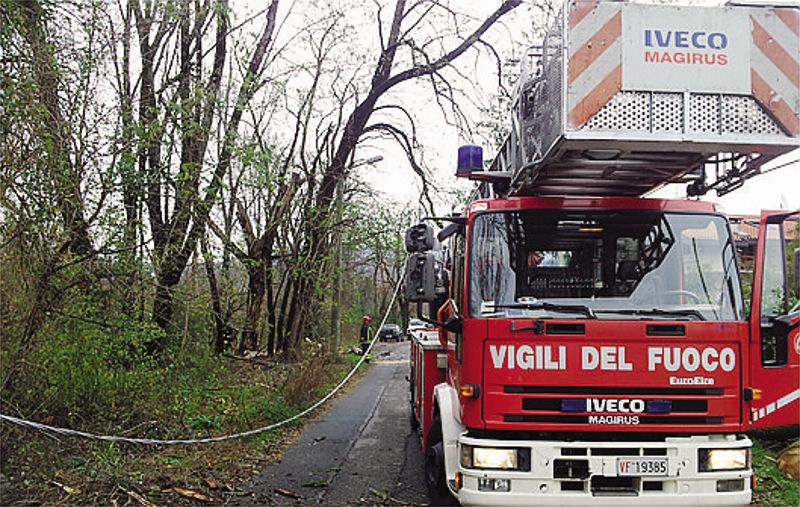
(435, 478)
(412, 419)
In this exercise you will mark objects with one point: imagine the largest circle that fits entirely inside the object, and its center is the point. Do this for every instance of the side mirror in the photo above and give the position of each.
(420, 277)
(419, 238)
(456, 227)
(784, 324)
(454, 324)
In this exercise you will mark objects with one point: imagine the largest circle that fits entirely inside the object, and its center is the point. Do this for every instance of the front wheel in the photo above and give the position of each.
(435, 475)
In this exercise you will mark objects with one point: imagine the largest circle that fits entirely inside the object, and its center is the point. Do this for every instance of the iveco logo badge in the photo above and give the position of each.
(616, 405)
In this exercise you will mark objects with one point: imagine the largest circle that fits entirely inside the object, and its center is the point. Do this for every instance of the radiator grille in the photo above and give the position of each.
(643, 406)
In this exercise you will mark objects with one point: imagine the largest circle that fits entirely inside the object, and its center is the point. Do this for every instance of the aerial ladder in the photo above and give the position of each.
(601, 110)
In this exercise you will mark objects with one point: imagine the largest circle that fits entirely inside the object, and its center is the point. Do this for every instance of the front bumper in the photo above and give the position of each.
(683, 484)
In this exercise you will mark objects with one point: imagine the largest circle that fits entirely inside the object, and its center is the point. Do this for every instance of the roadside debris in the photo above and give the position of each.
(188, 493)
(67, 489)
(140, 499)
(789, 461)
(315, 483)
(287, 493)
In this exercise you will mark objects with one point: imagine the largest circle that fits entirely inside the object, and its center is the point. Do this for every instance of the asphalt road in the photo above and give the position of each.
(361, 451)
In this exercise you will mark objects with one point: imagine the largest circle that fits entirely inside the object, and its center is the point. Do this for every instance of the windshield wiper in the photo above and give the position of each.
(702, 278)
(553, 307)
(655, 311)
(726, 281)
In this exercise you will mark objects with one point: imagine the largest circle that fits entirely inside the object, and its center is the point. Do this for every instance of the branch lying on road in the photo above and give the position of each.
(290, 494)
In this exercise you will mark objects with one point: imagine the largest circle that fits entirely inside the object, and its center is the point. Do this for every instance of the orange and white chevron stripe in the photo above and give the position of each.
(594, 68)
(775, 67)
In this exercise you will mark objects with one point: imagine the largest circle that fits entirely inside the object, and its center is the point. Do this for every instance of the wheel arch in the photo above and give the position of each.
(446, 406)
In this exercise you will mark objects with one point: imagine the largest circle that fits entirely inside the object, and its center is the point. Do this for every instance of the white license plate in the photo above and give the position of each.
(642, 467)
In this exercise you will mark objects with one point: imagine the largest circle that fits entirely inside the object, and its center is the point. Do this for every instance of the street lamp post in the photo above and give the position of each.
(336, 314)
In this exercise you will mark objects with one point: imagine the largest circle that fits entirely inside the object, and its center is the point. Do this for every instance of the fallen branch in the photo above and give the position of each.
(252, 360)
(290, 494)
(67, 489)
(188, 493)
(140, 499)
(131, 430)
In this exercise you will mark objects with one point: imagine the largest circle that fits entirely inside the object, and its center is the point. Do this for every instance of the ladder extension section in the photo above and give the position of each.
(624, 98)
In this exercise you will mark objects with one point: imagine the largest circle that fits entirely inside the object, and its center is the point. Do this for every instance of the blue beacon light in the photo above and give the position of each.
(470, 158)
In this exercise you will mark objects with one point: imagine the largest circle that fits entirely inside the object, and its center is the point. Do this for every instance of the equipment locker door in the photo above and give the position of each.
(774, 319)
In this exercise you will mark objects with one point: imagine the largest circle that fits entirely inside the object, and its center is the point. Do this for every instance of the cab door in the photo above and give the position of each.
(774, 318)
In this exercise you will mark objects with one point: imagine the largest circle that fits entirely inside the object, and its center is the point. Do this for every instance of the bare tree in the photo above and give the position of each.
(258, 256)
(384, 78)
(188, 116)
(175, 234)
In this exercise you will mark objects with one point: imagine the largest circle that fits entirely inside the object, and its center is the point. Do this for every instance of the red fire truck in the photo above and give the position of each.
(593, 345)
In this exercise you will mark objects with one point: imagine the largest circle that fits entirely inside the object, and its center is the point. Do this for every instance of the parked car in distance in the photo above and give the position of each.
(390, 332)
(416, 324)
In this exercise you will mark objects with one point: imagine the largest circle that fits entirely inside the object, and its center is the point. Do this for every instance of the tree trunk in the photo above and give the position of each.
(183, 237)
(403, 303)
(256, 285)
(297, 316)
(221, 329)
(284, 315)
(163, 302)
(271, 322)
(382, 81)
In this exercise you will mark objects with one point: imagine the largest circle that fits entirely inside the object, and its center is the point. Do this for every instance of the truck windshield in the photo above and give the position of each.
(608, 265)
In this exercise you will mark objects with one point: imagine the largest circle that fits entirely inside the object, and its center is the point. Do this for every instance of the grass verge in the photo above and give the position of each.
(774, 487)
(228, 397)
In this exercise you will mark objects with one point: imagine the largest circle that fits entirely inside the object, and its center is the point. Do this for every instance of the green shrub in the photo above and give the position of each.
(88, 366)
(204, 422)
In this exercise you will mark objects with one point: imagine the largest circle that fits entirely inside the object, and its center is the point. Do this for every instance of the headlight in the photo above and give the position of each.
(714, 460)
(488, 457)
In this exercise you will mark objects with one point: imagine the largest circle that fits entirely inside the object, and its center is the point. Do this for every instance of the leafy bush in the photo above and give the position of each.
(203, 422)
(91, 366)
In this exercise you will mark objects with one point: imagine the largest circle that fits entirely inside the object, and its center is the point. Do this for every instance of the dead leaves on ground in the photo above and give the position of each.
(67, 489)
(789, 462)
(194, 495)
